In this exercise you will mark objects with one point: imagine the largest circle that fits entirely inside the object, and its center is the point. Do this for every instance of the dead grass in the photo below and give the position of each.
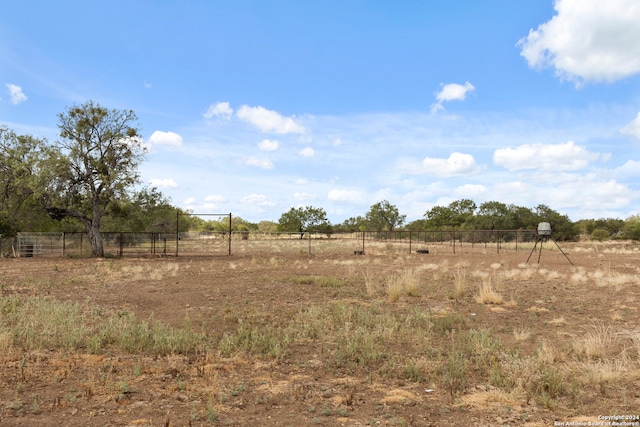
(487, 294)
(597, 342)
(460, 283)
(405, 282)
(521, 333)
(276, 331)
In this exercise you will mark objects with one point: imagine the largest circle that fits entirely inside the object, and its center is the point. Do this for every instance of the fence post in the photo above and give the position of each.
(177, 229)
(453, 234)
(229, 233)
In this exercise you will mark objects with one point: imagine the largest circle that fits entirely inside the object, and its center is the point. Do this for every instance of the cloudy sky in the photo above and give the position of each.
(255, 106)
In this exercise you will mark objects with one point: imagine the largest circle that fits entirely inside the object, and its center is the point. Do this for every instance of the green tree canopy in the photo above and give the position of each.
(563, 228)
(95, 163)
(358, 223)
(455, 215)
(383, 216)
(21, 163)
(145, 210)
(631, 228)
(302, 220)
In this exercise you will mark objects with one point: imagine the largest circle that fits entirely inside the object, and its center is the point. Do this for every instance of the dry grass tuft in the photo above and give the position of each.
(395, 288)
(6, 341)
(489, 400)
(548, 353)
(558, 321)
(405, 282)
(399, 396)
(603, 370)
(521, 333)
(460, 283)
(488, 295)
(411, 282)
(579, 277)
(598, 342)
(369, 286)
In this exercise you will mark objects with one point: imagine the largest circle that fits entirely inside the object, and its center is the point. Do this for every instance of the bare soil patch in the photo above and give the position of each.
(387, 339)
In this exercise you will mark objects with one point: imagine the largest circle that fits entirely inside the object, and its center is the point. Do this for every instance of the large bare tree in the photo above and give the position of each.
(95, 162)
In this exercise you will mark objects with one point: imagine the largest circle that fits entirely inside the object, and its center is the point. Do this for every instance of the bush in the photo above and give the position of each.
(600, 235)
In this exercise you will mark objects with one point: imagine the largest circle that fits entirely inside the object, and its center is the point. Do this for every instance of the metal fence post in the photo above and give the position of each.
(453, 235)
(177, 229)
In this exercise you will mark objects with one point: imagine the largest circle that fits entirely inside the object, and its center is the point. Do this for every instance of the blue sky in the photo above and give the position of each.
(253, 107)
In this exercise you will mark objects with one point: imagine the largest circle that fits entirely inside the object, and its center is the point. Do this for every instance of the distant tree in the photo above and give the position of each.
(614, 227)
(439, 217)
(455, 215)
(145, 210)
(519, 217)
(358, 223)
(561, 225)
(463, 211)
(631, 228)
(303, 220)
(600, 235)
(95, 163)
(417, 225)
(21, 160)
(492, 216)
(383, 216)
(267, 226)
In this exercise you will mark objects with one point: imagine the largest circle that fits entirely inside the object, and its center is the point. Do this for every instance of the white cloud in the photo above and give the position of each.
(587, 40)
(471, 191)
(456, 164)
(269, 121)
(630, 169)
(633, 128)
(304, 196)
(171, 139)
(549, 157)
(307, 152)
(301, 181)
(215, 198)
(15, 94)
(163, 183)
(189, 201)
(268, 145)
(259, 162)
(221, 109)
(451, 92)
(346, 196)
(256, 199)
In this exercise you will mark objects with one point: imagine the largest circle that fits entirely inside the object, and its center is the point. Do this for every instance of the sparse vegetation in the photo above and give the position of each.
(333, 338)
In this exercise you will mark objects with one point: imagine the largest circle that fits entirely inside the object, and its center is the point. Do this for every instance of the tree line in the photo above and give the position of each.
(88, 181)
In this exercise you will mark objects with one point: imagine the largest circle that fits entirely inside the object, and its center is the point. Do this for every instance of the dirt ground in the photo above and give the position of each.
(554, 304)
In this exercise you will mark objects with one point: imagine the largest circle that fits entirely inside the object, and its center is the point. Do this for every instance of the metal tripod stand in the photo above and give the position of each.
(543, 239)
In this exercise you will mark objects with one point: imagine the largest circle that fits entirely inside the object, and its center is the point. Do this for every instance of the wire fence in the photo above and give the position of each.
(132, 244)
